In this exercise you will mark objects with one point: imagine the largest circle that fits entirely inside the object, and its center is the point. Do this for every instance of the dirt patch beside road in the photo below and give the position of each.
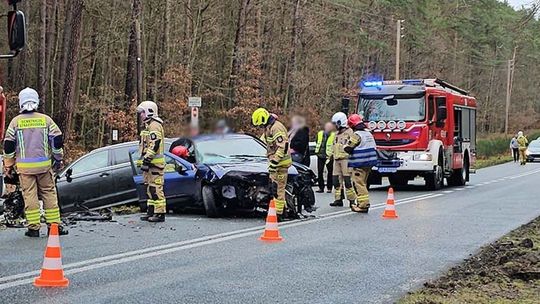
(507, 271)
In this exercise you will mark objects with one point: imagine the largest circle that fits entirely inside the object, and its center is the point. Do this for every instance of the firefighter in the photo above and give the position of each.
(522, 143)
(277, 144)
(363, 156)
(34, 146)
(152, 161)
(341, 175)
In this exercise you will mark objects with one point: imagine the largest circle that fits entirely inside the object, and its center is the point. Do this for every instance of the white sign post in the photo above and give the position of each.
(195, 103)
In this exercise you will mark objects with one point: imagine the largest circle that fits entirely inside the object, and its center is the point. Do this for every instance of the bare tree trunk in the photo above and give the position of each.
(42, 58)
(134, 53)
(72, 64)
(235, 63)
(167, 35)
(291, 68)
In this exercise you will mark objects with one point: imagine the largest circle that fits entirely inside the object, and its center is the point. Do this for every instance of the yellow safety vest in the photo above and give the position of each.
(329, 142)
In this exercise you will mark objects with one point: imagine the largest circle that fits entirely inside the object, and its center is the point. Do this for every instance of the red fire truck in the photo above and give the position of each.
(423, 127)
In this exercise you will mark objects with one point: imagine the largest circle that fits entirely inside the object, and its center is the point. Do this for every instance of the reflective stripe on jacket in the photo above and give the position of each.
(33, 135)
(152, 145)
(365, 153)
(329, 142)
(277, 144)
(341, 140)
(522, 141)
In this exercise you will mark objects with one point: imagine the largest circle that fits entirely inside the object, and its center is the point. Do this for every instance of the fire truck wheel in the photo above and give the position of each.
(459, 176)
(435, 180)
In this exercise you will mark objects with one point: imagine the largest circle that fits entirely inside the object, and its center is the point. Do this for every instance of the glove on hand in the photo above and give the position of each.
(145, 167)
(348, 149)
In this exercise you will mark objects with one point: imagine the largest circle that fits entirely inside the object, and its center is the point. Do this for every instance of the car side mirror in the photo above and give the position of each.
(68, 174)
(16, 33)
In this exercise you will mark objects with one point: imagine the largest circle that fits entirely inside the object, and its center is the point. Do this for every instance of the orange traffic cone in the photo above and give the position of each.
(390, 209)
(271, 232)
(52, 274)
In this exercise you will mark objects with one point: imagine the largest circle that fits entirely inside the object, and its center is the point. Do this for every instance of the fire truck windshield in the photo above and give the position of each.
(375, 108)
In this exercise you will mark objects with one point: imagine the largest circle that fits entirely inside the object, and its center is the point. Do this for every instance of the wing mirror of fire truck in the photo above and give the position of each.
(16, 33)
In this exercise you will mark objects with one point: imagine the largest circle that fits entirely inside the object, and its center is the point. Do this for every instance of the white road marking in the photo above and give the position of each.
(448, 191)
(460, 189)
(22, 278)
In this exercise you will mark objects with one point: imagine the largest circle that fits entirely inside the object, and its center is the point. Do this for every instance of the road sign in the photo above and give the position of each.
(115, 135)
(195, 102)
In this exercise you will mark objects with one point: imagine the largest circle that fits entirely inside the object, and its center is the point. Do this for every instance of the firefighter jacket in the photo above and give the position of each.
(152, 144)
(324, 149)
(522, 141)
(364, 153)
(277, 145)
(342, 139)
(32, 142)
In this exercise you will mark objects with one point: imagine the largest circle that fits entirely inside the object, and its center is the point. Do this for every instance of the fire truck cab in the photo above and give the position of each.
(422, 127)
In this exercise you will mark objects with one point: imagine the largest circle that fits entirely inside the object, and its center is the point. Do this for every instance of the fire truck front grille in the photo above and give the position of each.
(393, 142)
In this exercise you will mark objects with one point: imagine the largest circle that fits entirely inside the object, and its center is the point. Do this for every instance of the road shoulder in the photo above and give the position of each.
(506, 271)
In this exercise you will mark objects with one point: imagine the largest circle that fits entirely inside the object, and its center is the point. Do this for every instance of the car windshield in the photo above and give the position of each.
(389, 108)
(229, 150)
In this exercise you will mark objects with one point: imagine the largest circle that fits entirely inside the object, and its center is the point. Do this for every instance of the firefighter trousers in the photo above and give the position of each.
(35, 187)
(360, 179)
(342, 178)
(523, 155)
(279, 181)
(153, 179)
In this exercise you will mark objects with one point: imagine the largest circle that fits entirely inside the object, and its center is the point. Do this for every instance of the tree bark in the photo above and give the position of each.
(134, 54)
(291, 68)
(72, 64)
(235, 62)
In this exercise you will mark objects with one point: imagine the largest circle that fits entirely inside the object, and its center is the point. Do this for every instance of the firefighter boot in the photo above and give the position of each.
(32, 233)
(61, 230)
(337, 203)
(157, 218)
(149, 213)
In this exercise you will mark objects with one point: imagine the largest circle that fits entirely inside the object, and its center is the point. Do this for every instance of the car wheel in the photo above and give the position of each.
(209, 201)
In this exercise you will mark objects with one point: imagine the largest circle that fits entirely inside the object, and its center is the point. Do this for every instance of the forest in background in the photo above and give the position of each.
(292, 56)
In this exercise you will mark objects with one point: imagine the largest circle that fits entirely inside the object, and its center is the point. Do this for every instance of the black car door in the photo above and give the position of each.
(86, 182)
(124, 186)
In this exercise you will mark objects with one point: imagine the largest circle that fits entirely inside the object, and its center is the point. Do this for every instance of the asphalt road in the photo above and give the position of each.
(337, 257)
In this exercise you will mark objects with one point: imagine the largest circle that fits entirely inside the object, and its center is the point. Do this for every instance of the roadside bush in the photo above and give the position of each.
(496, 145)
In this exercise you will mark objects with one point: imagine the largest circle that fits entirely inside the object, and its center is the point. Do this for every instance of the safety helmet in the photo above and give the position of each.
(355, 120)
(28, 100)
(148, 109)
(340, 120)
(520, 133)
(260, 117)
(180, 151)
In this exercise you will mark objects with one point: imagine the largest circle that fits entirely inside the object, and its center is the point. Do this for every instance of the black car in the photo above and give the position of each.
(99, 179)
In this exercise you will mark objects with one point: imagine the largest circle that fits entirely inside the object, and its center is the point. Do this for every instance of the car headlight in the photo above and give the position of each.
(528, 152)
(423, 157)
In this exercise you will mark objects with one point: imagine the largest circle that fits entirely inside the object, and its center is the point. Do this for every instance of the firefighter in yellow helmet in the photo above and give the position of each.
(342, 173)
(34, 145)
(152, 161)
(277, 142)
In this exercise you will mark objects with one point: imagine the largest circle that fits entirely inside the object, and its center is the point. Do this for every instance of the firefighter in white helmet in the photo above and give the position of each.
(152, 161)
(34, 146)
(342, 173)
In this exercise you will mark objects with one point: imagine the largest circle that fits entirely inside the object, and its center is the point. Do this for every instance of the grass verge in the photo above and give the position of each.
(507, 271)
(492, 161)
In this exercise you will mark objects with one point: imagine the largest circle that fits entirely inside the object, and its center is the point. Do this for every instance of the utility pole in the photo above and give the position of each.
(509, 85)
(398, 46)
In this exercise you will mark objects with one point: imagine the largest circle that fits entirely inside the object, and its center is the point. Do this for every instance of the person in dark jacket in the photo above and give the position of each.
(299, 140)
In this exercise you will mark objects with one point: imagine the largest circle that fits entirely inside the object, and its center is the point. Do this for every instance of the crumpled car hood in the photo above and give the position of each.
(244, 167)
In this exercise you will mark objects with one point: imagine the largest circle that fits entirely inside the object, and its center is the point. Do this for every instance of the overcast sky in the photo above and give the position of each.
(519, 3)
